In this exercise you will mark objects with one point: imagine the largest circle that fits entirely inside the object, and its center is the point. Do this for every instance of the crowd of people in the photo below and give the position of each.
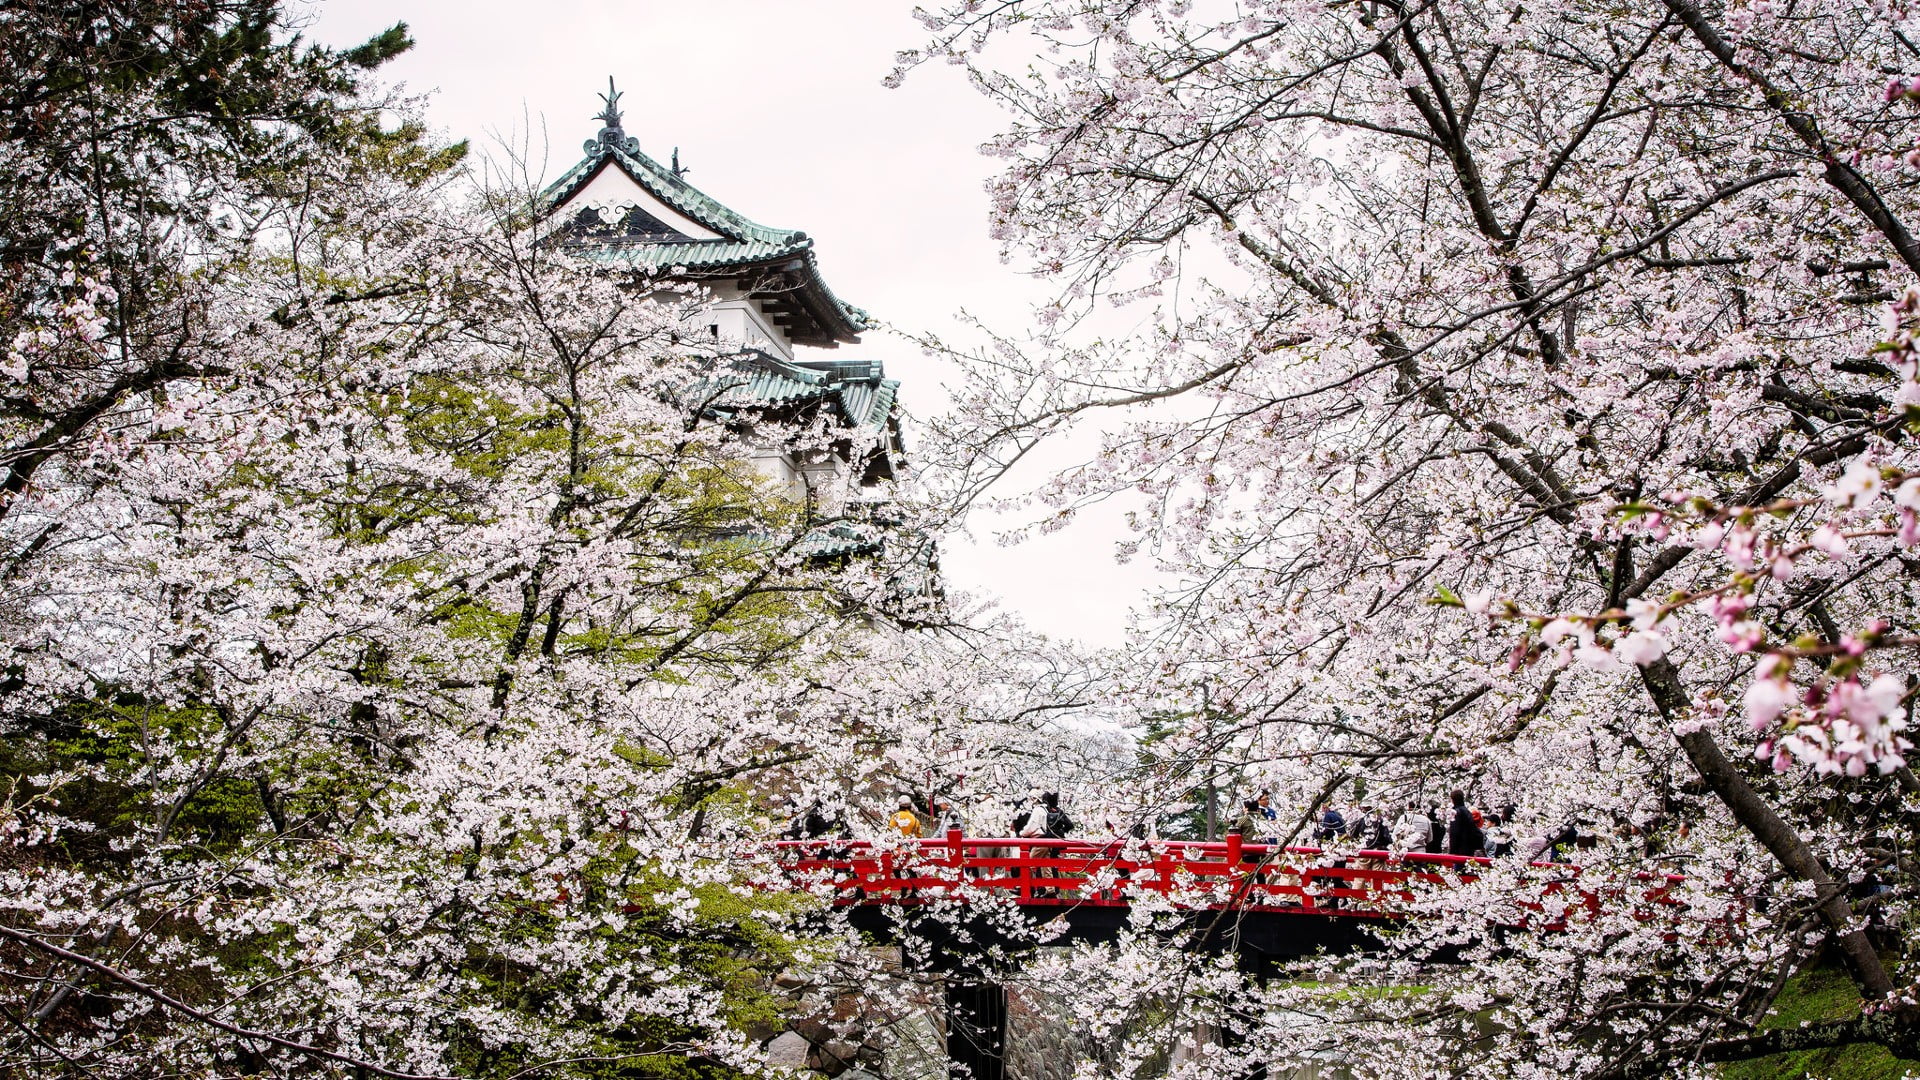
(1462, 830)
(1037, 816)
(1458, 829)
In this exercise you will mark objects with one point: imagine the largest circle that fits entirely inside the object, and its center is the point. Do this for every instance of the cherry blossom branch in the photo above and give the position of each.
(170, 1002)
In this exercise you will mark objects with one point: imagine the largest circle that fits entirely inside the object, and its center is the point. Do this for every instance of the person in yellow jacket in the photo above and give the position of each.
(907, 823)
(904, 820)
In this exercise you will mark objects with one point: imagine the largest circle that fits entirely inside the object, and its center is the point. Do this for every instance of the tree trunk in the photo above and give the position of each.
(1753, 814)
(1893, 1029)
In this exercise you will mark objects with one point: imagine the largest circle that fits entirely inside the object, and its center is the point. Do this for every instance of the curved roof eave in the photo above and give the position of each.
(754, 245)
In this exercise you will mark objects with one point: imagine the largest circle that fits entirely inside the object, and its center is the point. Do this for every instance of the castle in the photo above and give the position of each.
(769, 310)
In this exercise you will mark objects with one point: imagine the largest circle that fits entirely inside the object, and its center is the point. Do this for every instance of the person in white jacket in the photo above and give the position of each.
(1411, 831)
(1499, 835)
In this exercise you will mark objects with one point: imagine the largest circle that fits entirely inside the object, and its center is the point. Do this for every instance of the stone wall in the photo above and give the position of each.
(898, 1033)
(887, 1029)
(1041, 1043)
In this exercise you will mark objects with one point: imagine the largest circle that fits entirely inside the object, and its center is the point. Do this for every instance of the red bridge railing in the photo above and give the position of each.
(1231, 874)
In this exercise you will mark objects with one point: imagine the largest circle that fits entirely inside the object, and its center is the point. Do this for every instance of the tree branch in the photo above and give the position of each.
(181, 1007)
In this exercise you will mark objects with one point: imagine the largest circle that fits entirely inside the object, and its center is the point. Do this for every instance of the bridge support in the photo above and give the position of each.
(976, 1029)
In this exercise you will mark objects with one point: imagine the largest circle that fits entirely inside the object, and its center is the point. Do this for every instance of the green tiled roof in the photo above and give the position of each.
(858, 390)
(777, 269)
(694, 255)
(668, 188)
(744, 244)
(835, 541)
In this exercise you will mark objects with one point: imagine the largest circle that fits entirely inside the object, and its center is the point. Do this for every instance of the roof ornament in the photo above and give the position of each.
(678, 169)
(611, 133)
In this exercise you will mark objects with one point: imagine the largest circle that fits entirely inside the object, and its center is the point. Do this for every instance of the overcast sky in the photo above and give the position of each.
(777, 109)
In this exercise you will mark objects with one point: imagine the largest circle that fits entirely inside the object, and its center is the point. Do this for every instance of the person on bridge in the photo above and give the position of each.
(908, 824)
(904, 821)
(1269, 819)
(1561, 844)
(1332, 826)
(1413, 830)
(1029, 819)
(1499, 833)
(1054, 825)
(946, 817)
(1029, 822)
(1247, 826)
(812, 824)
(1463, 835)
(1058, 824)
(1369, 829)
(946, 821)
(1004, 819)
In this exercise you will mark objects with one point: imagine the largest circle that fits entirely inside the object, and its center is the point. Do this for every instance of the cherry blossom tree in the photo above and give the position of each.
(1525, 410)
(405, 663)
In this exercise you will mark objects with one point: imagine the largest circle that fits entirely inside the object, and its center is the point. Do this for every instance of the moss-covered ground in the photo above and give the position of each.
(1817, 995)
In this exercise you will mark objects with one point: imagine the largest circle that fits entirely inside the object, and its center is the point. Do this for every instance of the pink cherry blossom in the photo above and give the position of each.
(1828, 539)
(1857, 486)
(1765, 699)
(1642, 647)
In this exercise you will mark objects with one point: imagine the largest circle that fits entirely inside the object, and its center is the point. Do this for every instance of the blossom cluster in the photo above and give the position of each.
(73, 314)
(1445, 314)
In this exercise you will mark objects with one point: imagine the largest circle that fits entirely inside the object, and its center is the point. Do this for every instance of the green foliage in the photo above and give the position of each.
(109, 748)
(223, 89)
(1186, 818)
(1816, 996)
(381, 48)
(732, 945)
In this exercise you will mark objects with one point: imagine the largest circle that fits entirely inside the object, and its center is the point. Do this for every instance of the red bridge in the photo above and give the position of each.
(1082, 874)
(1261, 902)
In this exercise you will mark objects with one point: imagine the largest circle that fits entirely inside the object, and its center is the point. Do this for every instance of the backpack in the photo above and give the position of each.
(1058, 824)
(1331, 825)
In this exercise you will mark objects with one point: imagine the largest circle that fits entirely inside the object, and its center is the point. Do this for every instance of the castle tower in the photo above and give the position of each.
(771, 310)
